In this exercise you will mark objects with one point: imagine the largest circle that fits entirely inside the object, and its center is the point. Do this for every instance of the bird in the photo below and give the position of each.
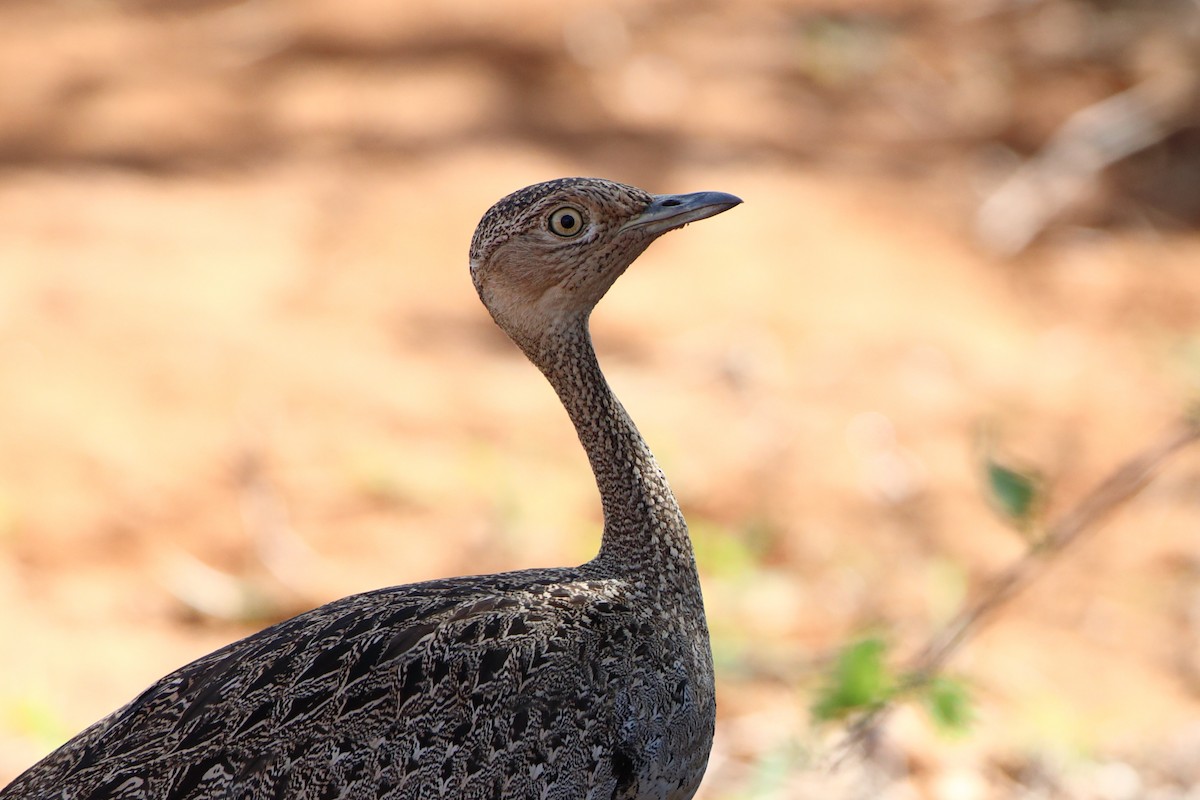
(568, 683)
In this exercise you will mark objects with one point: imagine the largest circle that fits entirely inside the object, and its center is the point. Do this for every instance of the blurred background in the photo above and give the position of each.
(243, 370)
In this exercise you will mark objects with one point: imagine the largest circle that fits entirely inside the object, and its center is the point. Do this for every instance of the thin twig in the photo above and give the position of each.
(1092, 139)
(1120, 487)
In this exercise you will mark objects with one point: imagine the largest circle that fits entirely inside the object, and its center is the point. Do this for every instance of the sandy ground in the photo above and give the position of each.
(231, 391)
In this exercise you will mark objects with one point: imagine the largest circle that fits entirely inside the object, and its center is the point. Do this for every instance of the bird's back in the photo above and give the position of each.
(541, 683)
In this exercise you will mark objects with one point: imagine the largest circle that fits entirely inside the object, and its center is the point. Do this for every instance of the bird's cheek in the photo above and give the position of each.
(558, 301)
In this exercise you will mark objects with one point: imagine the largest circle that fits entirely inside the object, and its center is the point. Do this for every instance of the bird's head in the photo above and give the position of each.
(543, 256)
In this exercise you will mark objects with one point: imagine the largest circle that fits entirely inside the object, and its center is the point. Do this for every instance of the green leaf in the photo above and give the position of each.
(949, 704)
(1015, 493)
(859, 681)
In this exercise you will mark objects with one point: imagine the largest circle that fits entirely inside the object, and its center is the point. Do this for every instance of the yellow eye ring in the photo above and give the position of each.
(566, 222)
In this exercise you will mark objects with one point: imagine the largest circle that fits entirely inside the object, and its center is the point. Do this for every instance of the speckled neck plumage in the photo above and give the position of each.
(645, 535)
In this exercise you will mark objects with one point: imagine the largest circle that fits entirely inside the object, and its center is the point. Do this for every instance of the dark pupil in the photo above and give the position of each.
(567, 221)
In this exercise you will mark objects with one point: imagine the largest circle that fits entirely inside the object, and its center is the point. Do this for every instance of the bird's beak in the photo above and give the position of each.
(667, 212)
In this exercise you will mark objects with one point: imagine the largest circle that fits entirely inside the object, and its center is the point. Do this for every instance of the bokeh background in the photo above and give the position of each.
(243, 370)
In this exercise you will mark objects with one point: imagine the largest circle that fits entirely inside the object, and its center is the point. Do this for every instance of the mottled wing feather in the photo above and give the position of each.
(475, 691)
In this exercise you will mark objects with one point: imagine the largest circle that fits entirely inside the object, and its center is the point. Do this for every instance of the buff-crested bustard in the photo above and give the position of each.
(557, 684)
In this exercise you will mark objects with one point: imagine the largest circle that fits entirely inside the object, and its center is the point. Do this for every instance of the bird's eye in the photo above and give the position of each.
(566, 222)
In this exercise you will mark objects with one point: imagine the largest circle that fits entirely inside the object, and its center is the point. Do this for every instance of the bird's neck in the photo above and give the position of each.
(645, 535)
